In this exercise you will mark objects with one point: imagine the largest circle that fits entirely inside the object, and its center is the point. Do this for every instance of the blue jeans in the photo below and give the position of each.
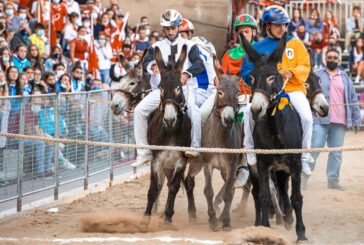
(105, 76)
(334, 135)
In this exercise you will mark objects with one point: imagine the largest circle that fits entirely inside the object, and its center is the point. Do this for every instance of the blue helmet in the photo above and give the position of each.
(276, 15)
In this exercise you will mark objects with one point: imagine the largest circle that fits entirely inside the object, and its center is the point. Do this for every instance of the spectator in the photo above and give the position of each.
(329, 25)
(25, 85)
(59, 69)
(50, 80)
(12, 75)
(317, 44)
(59, 14)
(14, 86)
(296, 21)
(127, 48)
(77, 83)
(88, 80)
(104, 55)
(4, 110)
(343, 113)
(331, 44)
(152, 40)
(42, 151)
(73, 7)
(34, 56)
(54, 58)
(302, 35)
(21, 37)
(19, 59)
(354, 26)
(6, 59)
(38, 39)
(13, 22)
(117, 70)
(70, 32)
(30, 75)
(65, 83)
(39, 84)
(142, 43)
(314, 23)
(356, 59)
(79, 47)
(105, 26)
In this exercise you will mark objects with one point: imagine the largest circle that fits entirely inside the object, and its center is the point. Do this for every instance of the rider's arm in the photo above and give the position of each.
(197, 65)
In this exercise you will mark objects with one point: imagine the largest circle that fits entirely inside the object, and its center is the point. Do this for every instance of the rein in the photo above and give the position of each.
(136, 97)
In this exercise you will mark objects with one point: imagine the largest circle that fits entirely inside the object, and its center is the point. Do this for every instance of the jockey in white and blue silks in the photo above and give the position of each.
(170, 48)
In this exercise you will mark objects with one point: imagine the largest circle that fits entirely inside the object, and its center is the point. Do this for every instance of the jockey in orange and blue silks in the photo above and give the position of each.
(295, 66)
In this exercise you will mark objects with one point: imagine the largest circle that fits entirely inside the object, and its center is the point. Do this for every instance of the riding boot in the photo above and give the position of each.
(242, 177)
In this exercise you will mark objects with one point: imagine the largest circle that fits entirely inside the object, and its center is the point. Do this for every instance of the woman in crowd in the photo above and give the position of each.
(54, 58)
(6, 59)
(356, 59)
(296, 21)
(104, 55)
(65, 83)
(38, 83)
(329, 25)
(79, 47)
(50, 80)
(314, 23)
(34, 56)
(24, 83)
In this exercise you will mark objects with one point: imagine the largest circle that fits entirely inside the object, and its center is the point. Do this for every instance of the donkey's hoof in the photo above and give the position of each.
(214, 226)
(226, 228)
(167, 226)
(302, 240)
(287, 226)
(288, 221)
(162, 216)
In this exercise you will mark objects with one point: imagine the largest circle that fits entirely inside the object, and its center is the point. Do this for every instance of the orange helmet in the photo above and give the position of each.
(186, 26)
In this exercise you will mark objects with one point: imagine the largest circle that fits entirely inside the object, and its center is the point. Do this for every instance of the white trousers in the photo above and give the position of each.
(206, 108)
(149, 104)
(302, 106)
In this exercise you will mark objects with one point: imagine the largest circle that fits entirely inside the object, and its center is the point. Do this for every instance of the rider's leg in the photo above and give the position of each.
(141, 114)
(206, 107)
(302, 106)
(248, 135)
(194, 114)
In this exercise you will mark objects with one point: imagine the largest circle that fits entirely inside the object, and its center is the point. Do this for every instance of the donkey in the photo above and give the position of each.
(132, 89)
(222, 131)
(315, 95)
(168, 125)
(282, 131)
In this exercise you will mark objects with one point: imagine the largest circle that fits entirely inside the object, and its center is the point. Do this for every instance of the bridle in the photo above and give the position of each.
(272, 97)
(135, 97)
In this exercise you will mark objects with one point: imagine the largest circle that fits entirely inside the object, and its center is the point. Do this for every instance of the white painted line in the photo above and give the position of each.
(166, 239)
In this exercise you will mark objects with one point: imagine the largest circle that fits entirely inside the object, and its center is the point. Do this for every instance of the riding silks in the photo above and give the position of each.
(283, 100)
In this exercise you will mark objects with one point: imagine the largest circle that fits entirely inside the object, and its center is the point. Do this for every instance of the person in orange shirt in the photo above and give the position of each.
(59, 15)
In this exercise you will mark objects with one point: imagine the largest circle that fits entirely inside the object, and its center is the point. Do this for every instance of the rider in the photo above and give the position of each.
(170, 47)
(295, 67)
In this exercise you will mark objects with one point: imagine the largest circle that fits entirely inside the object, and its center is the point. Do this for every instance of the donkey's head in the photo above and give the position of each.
(265, 78)
(131, 90)
(315, 96)
(173, 102)
(226, 102)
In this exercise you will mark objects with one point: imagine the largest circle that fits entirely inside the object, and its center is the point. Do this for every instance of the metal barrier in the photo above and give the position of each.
(27, 167)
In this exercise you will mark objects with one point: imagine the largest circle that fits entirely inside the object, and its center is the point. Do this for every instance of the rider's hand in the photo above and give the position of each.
(356, 129)
(155, 69)
(286, 74)
(184, 78)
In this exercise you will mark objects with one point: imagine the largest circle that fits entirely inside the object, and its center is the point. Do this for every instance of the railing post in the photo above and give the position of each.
(110, 140)
(21, 156)
(57, 118)
(87, 119)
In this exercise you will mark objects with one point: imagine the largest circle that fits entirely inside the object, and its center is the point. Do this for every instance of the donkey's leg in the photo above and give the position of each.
(152, 193)
(174, 184)
(255, 192)
(219, 198)
(264, 192)
(209, 194)
(241, 207)
(190, 185)
(161, 179)
(228, 198)
(282, 182)
(297, 202)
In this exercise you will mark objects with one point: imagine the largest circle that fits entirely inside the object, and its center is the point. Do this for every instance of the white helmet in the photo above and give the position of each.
(171, 17)
(205, 44)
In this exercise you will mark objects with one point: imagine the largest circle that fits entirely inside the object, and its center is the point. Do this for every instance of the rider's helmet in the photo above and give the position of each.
(275, 15)
(186, 26)
(245, 20)
(170, 17)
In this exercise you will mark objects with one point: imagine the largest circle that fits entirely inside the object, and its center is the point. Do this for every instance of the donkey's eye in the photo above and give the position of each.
(253, 79)
(132, 83)
(270, 79)
(221, 94)
(307, 85)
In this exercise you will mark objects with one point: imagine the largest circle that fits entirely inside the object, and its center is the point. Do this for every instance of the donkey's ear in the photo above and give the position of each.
(181, 60)
(277, 54)
(159, 60)
(253, 55)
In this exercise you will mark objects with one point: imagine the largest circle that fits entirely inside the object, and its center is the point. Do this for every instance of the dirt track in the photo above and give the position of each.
(331, 217)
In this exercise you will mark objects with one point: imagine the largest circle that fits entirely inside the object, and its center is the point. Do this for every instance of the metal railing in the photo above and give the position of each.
(27, 167)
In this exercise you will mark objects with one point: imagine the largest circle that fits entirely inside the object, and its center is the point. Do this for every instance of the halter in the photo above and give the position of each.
(136, 97)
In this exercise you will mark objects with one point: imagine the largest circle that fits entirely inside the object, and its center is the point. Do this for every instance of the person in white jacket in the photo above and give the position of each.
(104, 54)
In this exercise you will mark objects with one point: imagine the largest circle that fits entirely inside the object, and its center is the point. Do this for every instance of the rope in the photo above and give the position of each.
(179, 148)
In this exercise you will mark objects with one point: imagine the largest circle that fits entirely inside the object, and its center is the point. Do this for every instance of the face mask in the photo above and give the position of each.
(82, 37)
(105, 22)
(55, 1)
(2, 83)
(22, 16)
(88, 80)
(101, 41)
(94, 15)
(56, 56)
(63, 86)
(9, 12)
(59, 74)
(35, 108)
(87, 24)
(31, 78)
(37, 82)
(6, 59)
(332, 65)
(95, 88)
(40, 33)
(132, 64)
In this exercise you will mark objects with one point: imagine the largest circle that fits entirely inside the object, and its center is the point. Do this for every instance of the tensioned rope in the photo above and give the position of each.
(179, 148)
